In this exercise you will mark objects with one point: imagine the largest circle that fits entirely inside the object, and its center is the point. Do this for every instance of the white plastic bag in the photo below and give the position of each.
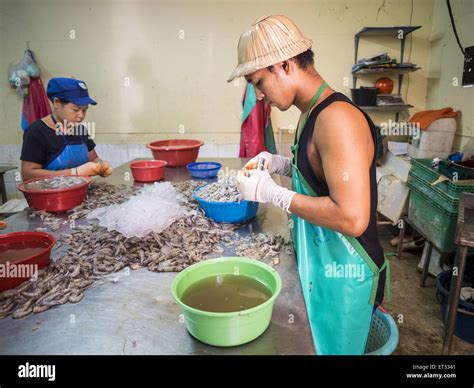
(19, 74)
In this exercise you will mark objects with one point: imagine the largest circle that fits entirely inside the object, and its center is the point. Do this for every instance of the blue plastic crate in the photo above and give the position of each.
(204, 170)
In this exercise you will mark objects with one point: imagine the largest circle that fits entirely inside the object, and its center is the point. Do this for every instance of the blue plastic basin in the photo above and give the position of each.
(464, 321)
(204, 170)
(230, 212)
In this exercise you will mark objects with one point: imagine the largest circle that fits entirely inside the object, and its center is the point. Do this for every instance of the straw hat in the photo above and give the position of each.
(270, 40)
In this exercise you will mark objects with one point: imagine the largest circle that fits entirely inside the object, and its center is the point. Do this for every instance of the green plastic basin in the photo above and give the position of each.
(234, 328)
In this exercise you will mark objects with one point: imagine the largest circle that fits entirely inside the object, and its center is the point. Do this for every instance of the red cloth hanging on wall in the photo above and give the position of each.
(36, 103)
(256, 117)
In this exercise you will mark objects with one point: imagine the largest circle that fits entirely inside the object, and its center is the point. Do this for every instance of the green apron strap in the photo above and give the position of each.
(385, 266)
(320, 91)
(388, 292)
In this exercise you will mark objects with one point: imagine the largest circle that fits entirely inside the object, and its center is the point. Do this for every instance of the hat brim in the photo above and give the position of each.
(270, 59)
(82, 101)
(77, 101)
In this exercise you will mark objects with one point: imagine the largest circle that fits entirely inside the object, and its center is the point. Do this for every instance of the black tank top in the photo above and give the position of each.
(369, 239)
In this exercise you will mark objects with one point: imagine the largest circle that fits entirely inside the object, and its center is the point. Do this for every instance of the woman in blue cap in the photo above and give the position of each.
(58, 144)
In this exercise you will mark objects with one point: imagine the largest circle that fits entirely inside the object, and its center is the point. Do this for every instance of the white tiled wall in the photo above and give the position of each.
(116, 154)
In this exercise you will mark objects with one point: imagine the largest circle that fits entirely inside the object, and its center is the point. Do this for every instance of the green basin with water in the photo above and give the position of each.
(229, 328)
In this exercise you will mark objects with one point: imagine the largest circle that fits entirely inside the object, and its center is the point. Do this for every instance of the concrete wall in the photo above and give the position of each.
(156, 67)
(446, 65)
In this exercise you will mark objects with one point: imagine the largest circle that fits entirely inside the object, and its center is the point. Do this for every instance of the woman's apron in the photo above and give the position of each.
(338, 277)
(74, 153)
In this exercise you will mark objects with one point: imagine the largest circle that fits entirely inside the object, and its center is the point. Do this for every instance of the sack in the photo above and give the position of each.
(19, 74)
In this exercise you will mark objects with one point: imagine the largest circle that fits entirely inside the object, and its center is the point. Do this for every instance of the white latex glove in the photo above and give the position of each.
(258, 186)
(275, 164)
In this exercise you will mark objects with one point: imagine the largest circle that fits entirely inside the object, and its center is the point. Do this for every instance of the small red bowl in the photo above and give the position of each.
(148, 170)
(177, 152)
(13, 273)
(57, 200)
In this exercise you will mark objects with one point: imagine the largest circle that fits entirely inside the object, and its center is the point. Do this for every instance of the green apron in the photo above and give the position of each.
(338, 277)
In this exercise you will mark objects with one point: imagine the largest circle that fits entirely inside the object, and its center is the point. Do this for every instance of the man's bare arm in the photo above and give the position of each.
(346, 148)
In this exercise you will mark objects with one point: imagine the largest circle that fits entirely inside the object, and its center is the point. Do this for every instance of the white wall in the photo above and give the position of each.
(446, 65)
(176, 81)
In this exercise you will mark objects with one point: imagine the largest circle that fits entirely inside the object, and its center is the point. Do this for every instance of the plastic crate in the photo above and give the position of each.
(421, 168)
(445, 201)
(434, 222)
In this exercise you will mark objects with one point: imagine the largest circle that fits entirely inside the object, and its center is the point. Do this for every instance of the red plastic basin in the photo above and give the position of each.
(58, 200)
(177, 152)
(21, 255)
(148, 170)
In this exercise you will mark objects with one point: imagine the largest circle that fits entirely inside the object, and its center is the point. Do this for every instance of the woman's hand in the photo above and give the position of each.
(106, 168)
(89, 168)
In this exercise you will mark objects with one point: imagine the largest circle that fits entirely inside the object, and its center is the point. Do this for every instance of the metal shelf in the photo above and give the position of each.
(387, 108)
(401, 70)
(386, 31)
(390, 32)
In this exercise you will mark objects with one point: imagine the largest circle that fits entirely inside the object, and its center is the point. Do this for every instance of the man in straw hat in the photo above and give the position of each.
(333, 200)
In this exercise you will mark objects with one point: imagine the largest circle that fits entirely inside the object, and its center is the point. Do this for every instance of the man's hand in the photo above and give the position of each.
(248, 183)
(267, 161)
(258, 186)
(275, 164)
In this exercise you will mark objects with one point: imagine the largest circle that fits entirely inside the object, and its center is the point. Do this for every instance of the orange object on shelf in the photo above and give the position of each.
(384, 85)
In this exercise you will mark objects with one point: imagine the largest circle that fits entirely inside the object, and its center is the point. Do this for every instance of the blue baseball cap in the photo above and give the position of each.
(69, 89)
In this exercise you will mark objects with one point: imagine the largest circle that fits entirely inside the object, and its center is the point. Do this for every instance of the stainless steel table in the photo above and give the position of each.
(137, 314)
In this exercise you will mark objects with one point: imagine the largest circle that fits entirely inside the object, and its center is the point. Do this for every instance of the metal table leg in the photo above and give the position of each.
(453, 302)
(401, 236)
(426, 263)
